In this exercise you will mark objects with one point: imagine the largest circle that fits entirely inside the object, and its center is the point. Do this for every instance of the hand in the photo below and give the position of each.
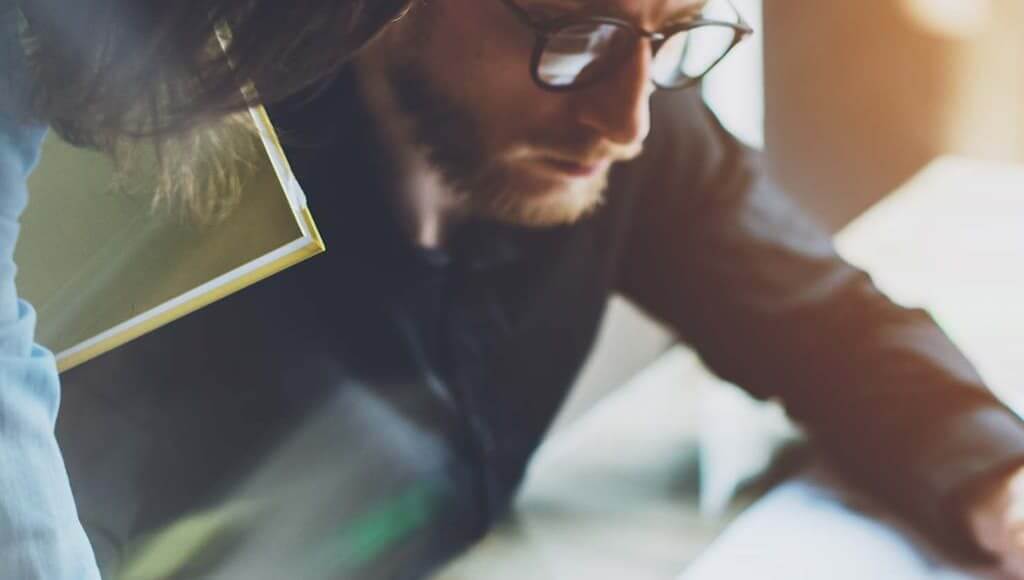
(996, 518)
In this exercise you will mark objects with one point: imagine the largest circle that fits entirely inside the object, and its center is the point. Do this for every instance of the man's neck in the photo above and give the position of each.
(427, 207)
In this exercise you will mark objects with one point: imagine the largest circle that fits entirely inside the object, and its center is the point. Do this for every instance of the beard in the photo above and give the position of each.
(487, 183)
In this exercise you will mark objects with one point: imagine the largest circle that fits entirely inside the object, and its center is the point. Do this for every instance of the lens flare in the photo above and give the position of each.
(958, 19)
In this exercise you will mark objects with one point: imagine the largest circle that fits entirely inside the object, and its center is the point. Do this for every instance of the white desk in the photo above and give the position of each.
(814, 528)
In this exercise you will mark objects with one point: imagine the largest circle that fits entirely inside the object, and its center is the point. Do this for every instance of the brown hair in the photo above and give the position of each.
(107, 72)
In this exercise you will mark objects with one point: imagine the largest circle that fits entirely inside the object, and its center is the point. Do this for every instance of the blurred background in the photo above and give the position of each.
(860, 95)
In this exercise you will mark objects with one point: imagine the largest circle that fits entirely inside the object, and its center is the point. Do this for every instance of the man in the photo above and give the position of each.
(484, 179)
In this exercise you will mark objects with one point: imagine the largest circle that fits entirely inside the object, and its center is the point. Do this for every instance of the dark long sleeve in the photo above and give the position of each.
(722, 255)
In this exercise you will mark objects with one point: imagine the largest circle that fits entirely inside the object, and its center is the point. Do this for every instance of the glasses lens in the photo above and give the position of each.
(579, 53)
(690, 54)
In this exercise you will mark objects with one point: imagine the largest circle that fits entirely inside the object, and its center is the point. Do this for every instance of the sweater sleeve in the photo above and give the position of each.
(757, 288)
(40, 534)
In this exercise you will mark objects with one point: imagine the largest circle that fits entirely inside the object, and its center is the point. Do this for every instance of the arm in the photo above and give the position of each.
(721, 254)
(40, 535)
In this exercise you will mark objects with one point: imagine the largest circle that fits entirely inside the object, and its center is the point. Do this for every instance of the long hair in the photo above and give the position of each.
(107, 72)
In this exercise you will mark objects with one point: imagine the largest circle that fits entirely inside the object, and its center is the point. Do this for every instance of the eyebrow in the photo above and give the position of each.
(680, 14)
(569, 6)
(685, 12)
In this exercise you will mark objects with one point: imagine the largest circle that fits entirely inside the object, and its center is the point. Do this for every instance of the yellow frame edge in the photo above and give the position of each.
(304, 253)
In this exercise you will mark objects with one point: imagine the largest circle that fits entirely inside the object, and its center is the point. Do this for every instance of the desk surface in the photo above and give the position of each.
(815, 528)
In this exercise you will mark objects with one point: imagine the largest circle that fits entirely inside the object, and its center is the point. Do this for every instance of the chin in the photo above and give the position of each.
(563, 206)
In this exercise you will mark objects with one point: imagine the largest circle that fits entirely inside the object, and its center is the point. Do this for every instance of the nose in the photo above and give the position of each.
(618, 107)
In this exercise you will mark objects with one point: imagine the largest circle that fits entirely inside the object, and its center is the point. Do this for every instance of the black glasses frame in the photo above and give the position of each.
(544, 30)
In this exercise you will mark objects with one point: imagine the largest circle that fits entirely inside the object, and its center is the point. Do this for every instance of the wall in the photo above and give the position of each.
(859, 95)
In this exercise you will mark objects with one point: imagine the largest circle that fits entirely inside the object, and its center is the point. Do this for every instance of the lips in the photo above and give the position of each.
(573, 168)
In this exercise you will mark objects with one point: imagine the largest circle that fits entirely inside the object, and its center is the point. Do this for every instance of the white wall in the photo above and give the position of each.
(735, 88)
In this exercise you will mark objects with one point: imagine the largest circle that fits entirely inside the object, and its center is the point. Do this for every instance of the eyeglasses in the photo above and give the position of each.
(578, 51)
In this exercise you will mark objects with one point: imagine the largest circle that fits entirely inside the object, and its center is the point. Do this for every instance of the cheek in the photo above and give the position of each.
(516, 112)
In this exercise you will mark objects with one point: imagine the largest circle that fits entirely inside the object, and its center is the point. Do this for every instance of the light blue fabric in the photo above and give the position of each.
(40, 534)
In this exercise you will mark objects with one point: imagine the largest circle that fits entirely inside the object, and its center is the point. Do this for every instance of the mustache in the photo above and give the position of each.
(584, 151)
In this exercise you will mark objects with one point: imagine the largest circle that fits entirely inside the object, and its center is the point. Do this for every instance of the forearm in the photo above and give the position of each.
(40, 534)
(724, 257)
